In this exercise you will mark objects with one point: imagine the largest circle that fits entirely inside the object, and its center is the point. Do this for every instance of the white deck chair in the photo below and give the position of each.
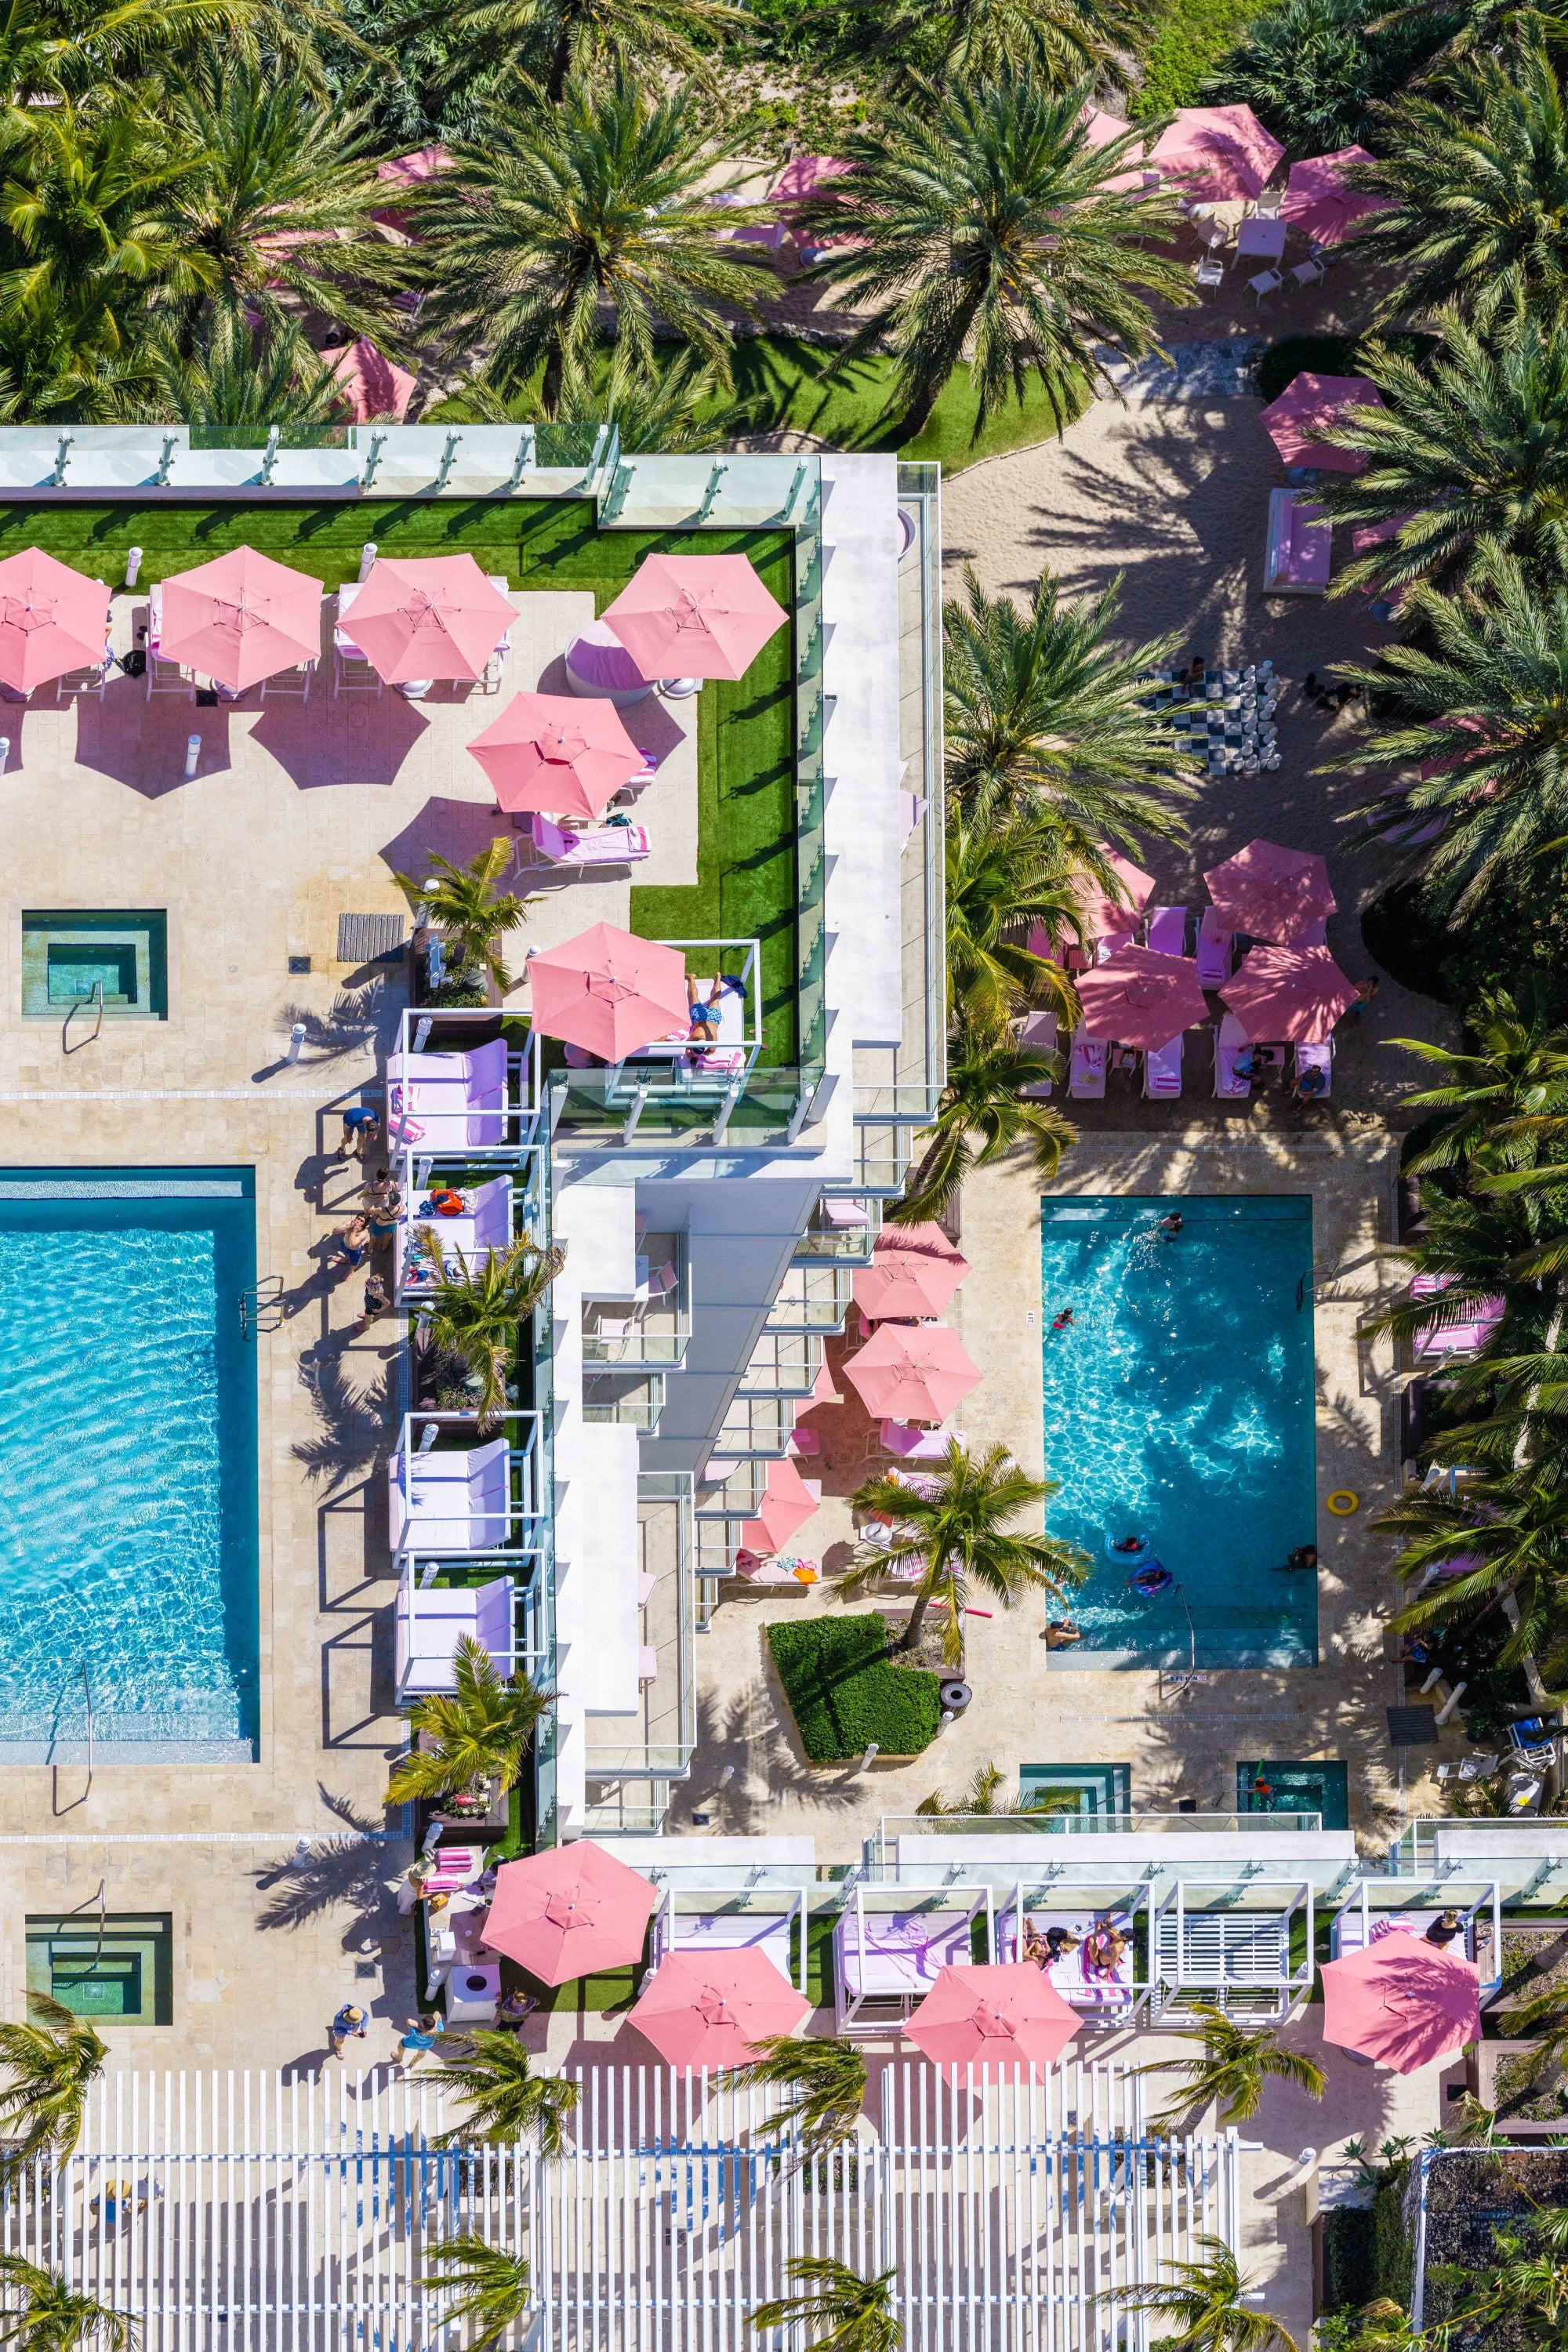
(1267, 281)
(169, 677)
(289, 685)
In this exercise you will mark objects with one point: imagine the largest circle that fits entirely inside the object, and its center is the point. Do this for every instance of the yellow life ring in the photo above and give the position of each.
(1343, 1503)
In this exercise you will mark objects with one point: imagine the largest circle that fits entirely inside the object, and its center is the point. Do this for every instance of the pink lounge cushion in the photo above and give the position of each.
(598, 657)
(1305, 546)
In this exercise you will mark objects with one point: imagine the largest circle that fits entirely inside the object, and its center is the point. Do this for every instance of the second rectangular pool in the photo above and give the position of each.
(1179, 1406)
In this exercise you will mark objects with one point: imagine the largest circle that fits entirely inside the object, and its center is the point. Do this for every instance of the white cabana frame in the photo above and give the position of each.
(771, 1920)
(1378, 1906)
(1046, 1902)
(1227, 1944)
(891, 1943)
(493, 1504)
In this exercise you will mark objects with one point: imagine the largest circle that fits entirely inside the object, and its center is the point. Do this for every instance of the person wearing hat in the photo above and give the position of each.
(348, 2025)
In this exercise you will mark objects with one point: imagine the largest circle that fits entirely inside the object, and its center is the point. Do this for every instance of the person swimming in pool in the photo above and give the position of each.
(1153, 1578)
(1127, 1543)
(1064, 1320)
(1171, 1225)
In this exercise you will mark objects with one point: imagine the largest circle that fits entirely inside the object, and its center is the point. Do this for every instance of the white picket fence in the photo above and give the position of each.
(258, 2213)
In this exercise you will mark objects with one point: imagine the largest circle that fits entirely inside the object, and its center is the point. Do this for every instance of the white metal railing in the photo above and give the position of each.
(502, 1523)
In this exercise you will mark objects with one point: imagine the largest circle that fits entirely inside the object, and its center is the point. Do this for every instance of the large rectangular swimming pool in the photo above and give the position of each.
(1179, 1407)
(128, 1476)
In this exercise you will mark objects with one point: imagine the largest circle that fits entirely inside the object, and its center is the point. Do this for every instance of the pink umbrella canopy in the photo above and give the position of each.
(787, 1502)
(1401, 2001)
(570, 1912)
(51, 619)
(1310, 403)
(912, 1372)
(695, 616)
(1220, 152)
(1103, 916)
(559, 753)
(407, 172)
(436, 617)
(372, 384)
(711, 2008)
(1296, 993)
(1318, 202)
(240, 618)
(805, 175)
(914, 1270)
(1271, 893)
(997, 2020)
(1141, 998)
(1099, 130)
(608, 992)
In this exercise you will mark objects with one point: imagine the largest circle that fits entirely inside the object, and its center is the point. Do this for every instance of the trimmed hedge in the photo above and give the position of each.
(844, 1694)
(1349, 2257)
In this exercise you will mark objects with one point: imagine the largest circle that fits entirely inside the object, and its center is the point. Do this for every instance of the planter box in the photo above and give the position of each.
(1483, 2063)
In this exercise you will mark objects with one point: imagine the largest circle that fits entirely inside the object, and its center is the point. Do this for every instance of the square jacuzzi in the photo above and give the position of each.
(71, 954)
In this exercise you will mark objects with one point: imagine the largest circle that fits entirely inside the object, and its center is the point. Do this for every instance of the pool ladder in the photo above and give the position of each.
(261, 1306)
(95, 998)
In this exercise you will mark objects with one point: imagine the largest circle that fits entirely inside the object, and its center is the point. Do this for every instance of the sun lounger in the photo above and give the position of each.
(1466, 1338)
(895, 1958)
(738, 1930)
(1297, 553)
(912, 1444)
(1168, 930)
(484, 1230)
(729, 1014)
(1317, 1057)
(1069, 1977)
(1105, 948)
(1087, 1079)
(1215, 948)
(431, 1624)
(289, 685)
(455, 1866)
(1040, 1030)
(459, 1502)
(600, 845)
(447, 1102)
(1230, 1039)
(1163, 1073)
(1348, 1932)
(352, 673)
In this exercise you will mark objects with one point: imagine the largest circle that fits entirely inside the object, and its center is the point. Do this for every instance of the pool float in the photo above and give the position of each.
(1343, 1503)
(1139, 1552)
(1152, 1578)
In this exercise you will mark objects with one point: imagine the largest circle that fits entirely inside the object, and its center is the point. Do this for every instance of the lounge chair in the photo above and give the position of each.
(471, 1240)
(1106, 1998)
(893, 1958)
(736, 1928)
(430, 1624)
(446, 1102)
(1168, 930)
(1163, 1073)
(457, 1502)
(1215, 948)
(1230, 1039)
(1086, 1082)
(169, 677)
(352, 673)
(1040, 1030)
(1465, 1337)
(600, 845)
(89, 680)
(289, 685)
(1349, 1932)
(1317, 1057)
(1297, 548)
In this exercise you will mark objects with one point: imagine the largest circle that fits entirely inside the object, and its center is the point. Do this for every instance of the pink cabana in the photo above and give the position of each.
(998, 2020)
(695, 616)
(435, 616)
(1318, 202)
(787, 1502)
(914, 1270)
(241, 617)
(1308, 404)
(912, 1372)
(52, 620)
(1271, 893)
(555, 754)
(1401, 2001)
(1295, 993)
(608, 992)
(1218, 152)
(1141, 998)
(711, 2008)
(373, 385)
(1103, 916)
(569, 1912)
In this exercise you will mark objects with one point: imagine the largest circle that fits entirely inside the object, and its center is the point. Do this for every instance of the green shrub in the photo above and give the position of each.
(1394, 2257)
(1295, 355)
(1513, 944)
(845, 1695)
(1349, 2274)
(1194, 35)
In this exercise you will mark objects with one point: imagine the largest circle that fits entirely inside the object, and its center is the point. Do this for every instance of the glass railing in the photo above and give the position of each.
(851, 1243)
(897, 1826)
(656, 1107)
(634, 1399)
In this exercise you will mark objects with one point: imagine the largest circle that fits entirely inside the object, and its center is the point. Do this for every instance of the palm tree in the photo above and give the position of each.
(560, 221)
(1042, 709)
(1514, 1527)
(232, 378)
(828, 2079)
(1208, 2301)
(983, 228)
(1523, 2296)
(1468, 451)
(961, 1524)
(476, 1733)
(476, 1313)
(464, 905)
(50, 51)
(982, 1796)
(491, 2285)
(1480, 704)
(1313, 69)
(51, 2062)
(506, 2101)
(1056, 42)
(845, 2311)
(54, 2317)
(1477, 179)
(560, 41)
(1543, 2021)
(1506, 1096)
(1005, 877)
(985, 1096)
(1237, 2061)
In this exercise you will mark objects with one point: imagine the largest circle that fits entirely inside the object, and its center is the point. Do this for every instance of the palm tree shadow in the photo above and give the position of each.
(353, 1421)
(360, 1020)
(330, 1873)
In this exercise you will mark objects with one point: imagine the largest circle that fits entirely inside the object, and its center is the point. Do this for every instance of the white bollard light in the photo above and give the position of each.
(5, 753)
(366, 557)
(192, 755)
(296, 1039)
(133, 566)
(870, 1756)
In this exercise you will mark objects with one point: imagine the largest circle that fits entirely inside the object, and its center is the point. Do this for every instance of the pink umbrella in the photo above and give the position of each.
(805, 176)
(1310, 403)
(1318, 202)
(711, 2008)
(1271, 893)
(1104, 917)
(608, 992)
(1288, 992)
(914, 1271)
(569, 1912)
(912, 1372)
(240, 618)
(553, 752)
(51, 619)
(787, 1502)
(695, 616)
(434, 616)
(1220, 152)
(1401, 2001)
(1141, 998)
(405, 172)
(997, 2019)
(1099, 130)
(375, 385)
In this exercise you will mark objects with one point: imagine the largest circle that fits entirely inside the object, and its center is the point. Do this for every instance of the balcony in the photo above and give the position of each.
(730, 1490)
(811, 1299)
(636, 1399)
(650, 1329)
(654, 1743)
(783, 1364)
(844, 1232)
(757, 1425)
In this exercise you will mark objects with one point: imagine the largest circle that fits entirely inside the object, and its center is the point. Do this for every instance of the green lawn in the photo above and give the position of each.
(843, 1693)
(746, 886)
(1192, 37)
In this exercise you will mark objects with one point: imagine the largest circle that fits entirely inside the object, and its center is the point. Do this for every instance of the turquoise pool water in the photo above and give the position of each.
(1179, 1405)
(128, 1495)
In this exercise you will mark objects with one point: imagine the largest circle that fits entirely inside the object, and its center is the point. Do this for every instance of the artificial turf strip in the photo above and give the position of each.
(844, 1694)
(746, 885)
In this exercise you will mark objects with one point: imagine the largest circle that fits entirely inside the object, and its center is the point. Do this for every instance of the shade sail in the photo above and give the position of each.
(569, 1912)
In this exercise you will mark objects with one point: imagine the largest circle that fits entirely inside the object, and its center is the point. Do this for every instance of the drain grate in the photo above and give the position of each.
(366, 938)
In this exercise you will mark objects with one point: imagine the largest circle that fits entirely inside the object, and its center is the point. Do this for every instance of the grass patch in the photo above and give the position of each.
(845, 1695)
(1194, 35)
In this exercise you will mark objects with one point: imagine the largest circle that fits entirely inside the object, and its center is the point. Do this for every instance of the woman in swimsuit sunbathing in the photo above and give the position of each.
(1104, 1952)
